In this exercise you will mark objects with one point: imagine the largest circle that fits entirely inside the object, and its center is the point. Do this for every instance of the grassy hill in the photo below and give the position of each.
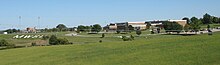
(145, 50)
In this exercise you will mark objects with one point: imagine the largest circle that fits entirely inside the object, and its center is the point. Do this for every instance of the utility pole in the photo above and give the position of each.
(38, 21)
(20, 24)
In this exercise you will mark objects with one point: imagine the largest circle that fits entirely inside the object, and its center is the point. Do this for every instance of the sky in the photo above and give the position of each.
(87, 12)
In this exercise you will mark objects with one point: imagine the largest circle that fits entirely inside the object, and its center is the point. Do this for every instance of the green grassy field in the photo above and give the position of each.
(144, 50)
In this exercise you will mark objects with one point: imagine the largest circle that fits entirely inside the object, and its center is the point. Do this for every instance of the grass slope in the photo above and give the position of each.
(157, 50)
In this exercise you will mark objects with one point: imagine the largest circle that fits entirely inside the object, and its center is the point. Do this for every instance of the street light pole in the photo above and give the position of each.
(38, 21)
(20, 24)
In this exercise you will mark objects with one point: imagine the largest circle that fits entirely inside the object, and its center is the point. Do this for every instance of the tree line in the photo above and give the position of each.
(193, 24)
(80, 28)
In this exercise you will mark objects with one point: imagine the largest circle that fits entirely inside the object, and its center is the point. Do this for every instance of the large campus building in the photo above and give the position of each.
(141, 25)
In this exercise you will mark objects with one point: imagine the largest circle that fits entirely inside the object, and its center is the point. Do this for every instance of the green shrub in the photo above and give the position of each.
(63, 41)
(100, 41)
(45, 37)
(172, 27)
(138, 32)
(53, 40)
(124, 38)
(58, 41)
(4, 43)
(132, 37)
(33, 44)
(103, 35)
(118, 32)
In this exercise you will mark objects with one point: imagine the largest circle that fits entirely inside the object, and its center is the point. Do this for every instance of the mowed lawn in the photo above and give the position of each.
(149, 50)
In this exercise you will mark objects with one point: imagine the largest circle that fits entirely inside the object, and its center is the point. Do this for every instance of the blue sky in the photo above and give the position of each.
(87, 12)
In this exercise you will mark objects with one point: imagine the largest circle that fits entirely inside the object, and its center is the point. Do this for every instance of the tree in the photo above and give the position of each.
(103, 35)
(55, 29)
(81, 28)
(208, 27)
(167, 26)
(187, 19)
(12, 30)
(53, 40)
(96, 28)
(196, 24)
(215, 20)
(61, 27)
(46, 30)
(219, 20)
(207, 19)
(138, 32)
(176, 27)
(172, 27)
(88, 28)
(148, 25)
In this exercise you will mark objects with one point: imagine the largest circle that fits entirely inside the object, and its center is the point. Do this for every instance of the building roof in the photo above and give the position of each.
(177, 20)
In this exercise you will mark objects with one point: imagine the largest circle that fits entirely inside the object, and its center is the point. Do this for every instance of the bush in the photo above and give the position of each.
(62, 41)
(138, 32)
(103, 35)
(53, 40)
(132, 37)
(118, 32)
(45, 37)
(100, 41)
(58, 41)
(172, 27)
(33, 44)
(124, 38)
(4, 43)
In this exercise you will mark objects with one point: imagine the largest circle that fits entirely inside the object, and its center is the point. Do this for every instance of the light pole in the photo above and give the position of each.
(20, 24)
(38, 21)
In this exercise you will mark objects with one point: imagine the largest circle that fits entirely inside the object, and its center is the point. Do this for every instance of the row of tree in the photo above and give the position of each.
(80, 28)
(58, 28)
(193, 23)
(92, 28)
(207, 19)
(12, 31)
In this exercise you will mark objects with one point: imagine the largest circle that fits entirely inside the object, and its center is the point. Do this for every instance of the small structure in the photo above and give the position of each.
(111, 27)
(5, 32)
(31, 30)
